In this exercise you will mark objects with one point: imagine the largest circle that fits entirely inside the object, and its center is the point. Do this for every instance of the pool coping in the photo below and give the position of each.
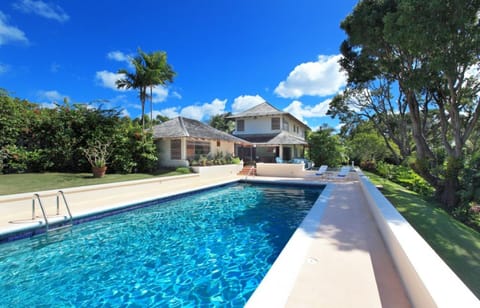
(17, 232)
(376, 203)
(277, 285)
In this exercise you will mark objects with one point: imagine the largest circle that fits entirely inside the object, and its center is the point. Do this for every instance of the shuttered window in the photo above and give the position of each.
(196, 148)
(175, 149)
(275, 123)
(240, 125)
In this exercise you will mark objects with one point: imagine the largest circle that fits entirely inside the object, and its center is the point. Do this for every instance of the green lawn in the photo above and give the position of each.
(32, 182)
(457, 244)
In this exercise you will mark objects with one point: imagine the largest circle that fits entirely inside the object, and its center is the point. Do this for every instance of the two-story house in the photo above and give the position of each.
(272, 133)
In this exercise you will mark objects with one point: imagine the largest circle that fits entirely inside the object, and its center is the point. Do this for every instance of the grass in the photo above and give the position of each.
(457, 244)
(32, 182)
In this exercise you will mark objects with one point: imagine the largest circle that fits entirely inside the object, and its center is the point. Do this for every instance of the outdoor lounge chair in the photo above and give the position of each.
(278, 160)
(344, 171)
(321, 170)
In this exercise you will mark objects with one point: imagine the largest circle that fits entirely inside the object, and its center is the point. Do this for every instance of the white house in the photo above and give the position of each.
(181, 139)
(272, 133)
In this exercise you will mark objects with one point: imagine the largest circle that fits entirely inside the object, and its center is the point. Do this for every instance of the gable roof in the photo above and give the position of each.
(185, 127)
(265, 109)
(262, 109)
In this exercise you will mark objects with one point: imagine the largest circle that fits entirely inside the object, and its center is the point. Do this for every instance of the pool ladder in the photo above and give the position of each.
(250, 171)
(44, 213)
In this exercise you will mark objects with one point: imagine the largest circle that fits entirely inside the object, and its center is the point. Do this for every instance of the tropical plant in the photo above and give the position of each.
(158, 72)
(135, 80)
(150, 70)
(97, 153)
(325, 148)
(223, 122)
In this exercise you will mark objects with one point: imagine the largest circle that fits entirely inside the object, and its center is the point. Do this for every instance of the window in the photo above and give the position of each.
(240, 125)
(286, 125)
(196, 148)
(275, 123)
(175, 149)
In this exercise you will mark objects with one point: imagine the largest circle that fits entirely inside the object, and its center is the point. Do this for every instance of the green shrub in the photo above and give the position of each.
(404, 176)
(183, 170)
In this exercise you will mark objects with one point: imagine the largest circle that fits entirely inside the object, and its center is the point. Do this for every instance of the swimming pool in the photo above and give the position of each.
(208, 249)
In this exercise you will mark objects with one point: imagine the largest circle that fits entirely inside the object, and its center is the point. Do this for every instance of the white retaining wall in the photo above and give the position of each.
(428, 281)
(281, 170)
(218, 171)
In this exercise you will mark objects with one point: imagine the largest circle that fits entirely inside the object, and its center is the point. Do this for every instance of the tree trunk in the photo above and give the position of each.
(448, 194)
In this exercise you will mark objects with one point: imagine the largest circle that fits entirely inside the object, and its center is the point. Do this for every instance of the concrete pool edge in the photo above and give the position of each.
(18, 231)
(276, 286)
(426, 277)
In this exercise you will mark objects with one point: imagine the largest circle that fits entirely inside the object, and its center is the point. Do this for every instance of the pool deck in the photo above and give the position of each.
(347, 263)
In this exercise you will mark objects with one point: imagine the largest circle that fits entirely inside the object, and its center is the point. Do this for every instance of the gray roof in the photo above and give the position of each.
(274, 139)
(265, 109)
(184, 127)
(262, 109)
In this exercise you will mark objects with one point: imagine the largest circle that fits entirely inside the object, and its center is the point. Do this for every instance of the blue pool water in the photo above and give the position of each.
(204, 250)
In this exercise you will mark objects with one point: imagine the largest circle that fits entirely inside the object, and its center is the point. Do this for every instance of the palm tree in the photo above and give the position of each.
(158, 72)
(135, 80)
(151, 69)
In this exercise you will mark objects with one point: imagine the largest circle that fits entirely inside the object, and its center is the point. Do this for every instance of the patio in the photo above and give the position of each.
(344, 262)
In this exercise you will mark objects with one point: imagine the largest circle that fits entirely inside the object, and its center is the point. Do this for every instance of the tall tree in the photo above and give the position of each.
(158, 72)
(325, 148)
(151, 70)
(431, 49)
(137, 80)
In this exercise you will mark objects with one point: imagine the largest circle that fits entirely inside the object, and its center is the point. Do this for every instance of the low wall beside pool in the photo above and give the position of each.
(427, 279)
(281, 170)
(218, 171)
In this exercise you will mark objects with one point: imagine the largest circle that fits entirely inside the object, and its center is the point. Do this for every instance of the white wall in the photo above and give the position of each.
(428, 281)
(259, 125)
(164, 158)
(263, 125)
(218, 171)
(281, 170)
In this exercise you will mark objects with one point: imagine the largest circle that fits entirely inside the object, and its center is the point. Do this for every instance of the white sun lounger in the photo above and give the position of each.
(321, 170)
(344, 171)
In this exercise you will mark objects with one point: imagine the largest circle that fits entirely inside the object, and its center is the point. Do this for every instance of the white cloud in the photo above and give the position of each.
(169, 112)
(200, 112)
(49, 11)
(245, 102)
(320, 78)
(301, 111)
(10, 33)
(160, 94)
(52, 96)
(107, 79)
(197, 112)
(176, 95)
(118, 56)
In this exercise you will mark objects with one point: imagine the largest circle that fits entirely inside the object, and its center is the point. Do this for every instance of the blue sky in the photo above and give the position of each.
(228, 54)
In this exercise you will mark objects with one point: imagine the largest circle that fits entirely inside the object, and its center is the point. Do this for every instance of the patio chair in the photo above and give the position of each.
(344, 171)
(321, 170)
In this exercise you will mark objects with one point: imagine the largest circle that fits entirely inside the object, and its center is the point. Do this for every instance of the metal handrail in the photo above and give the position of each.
(37, 196)
(249, 171)
(61, 193)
